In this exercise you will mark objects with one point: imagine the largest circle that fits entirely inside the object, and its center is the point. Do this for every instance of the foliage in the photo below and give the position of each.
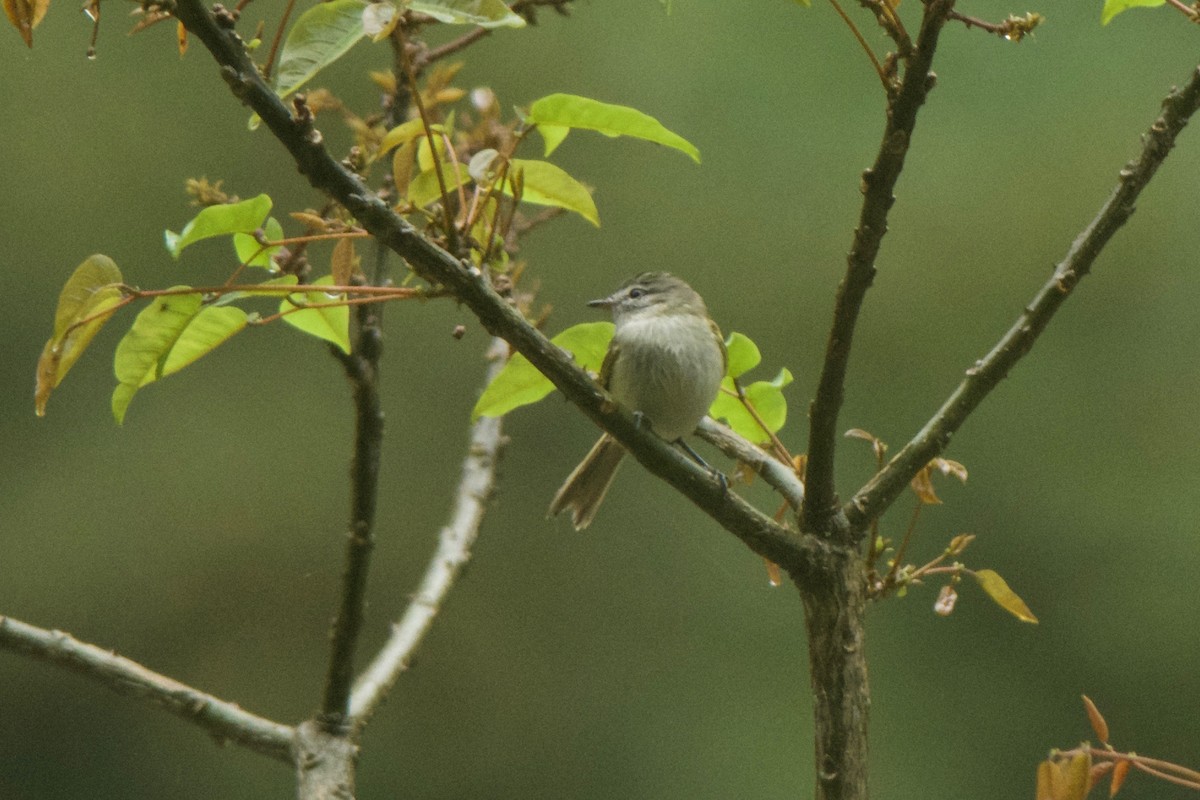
(753, 413)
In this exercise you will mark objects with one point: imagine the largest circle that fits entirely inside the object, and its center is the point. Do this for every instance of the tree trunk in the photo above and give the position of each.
(834, 610)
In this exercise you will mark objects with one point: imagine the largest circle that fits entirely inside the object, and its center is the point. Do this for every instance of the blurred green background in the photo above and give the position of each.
(647, 658)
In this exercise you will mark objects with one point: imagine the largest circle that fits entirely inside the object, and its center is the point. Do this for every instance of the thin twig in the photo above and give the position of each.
(781, 452)
(276, 39)
(410, 74)
(878, 184)
(222, 719)
(453, 551)
(987, 373)
(862, 42)
(448, 49)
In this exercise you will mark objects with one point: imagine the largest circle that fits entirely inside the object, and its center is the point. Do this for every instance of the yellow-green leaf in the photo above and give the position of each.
(140, 354)
(424, 188)
(96, 272)
(1006, 598)
(211, 327)
(742, 355)
(766, 397)
(545, 184)
(225, 219)
(89, 294)
(553, 136)
(253, 254)
(325, 321)
(1114, 7)
(520, 383)
(406, 132)
(573, 111)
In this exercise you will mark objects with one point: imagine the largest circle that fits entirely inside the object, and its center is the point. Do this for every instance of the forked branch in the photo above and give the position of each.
(453, 551)
(986, 374)
(878, 184)
(297, 134)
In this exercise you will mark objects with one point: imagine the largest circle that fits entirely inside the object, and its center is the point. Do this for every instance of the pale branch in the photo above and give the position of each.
(986, 374)
(791, 551)
(325, 763)
(878, 184)
(453, 552)
(779, 476)
(223, 720)
(362, 371)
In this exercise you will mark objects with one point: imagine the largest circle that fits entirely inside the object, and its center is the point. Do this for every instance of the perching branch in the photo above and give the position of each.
(878, 184)
(223, 720)
(779, 476)
(986, 374)
(297, 134)
(453, 552)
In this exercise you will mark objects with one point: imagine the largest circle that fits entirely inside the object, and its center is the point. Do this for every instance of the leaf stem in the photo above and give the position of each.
(276, 39)
(862, 42)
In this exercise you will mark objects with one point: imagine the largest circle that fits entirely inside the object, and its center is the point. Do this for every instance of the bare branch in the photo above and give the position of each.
(764, 536)
(778, 475)
(362, 370)
(222, 719)
(878, 183)
(453, 552)
(987, 373)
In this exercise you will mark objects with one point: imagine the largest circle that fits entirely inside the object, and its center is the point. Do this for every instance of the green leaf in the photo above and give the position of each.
(406, 132)
(520, 383)
(742, 354)
(573, 111)
(93, 289)
(220, 220)
(140, 354)
(768, 401)
(553, 136)
(331, 323)
(1006, 598)
(424, 188)
(766, 396)
(253, 254)
(208, 329)
(319, 37)
(484, 13)
(549, 185)
(1114, 7)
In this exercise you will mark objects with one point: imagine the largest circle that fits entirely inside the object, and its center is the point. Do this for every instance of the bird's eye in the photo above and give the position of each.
(636, 292)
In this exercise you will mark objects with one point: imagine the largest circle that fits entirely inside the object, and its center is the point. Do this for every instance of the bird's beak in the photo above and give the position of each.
(606, 302)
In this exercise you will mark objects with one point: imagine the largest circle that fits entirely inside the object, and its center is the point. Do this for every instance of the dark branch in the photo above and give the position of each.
(982, 378)
(223, 720)
(878, 184)
(362, 370)
(472, 288)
